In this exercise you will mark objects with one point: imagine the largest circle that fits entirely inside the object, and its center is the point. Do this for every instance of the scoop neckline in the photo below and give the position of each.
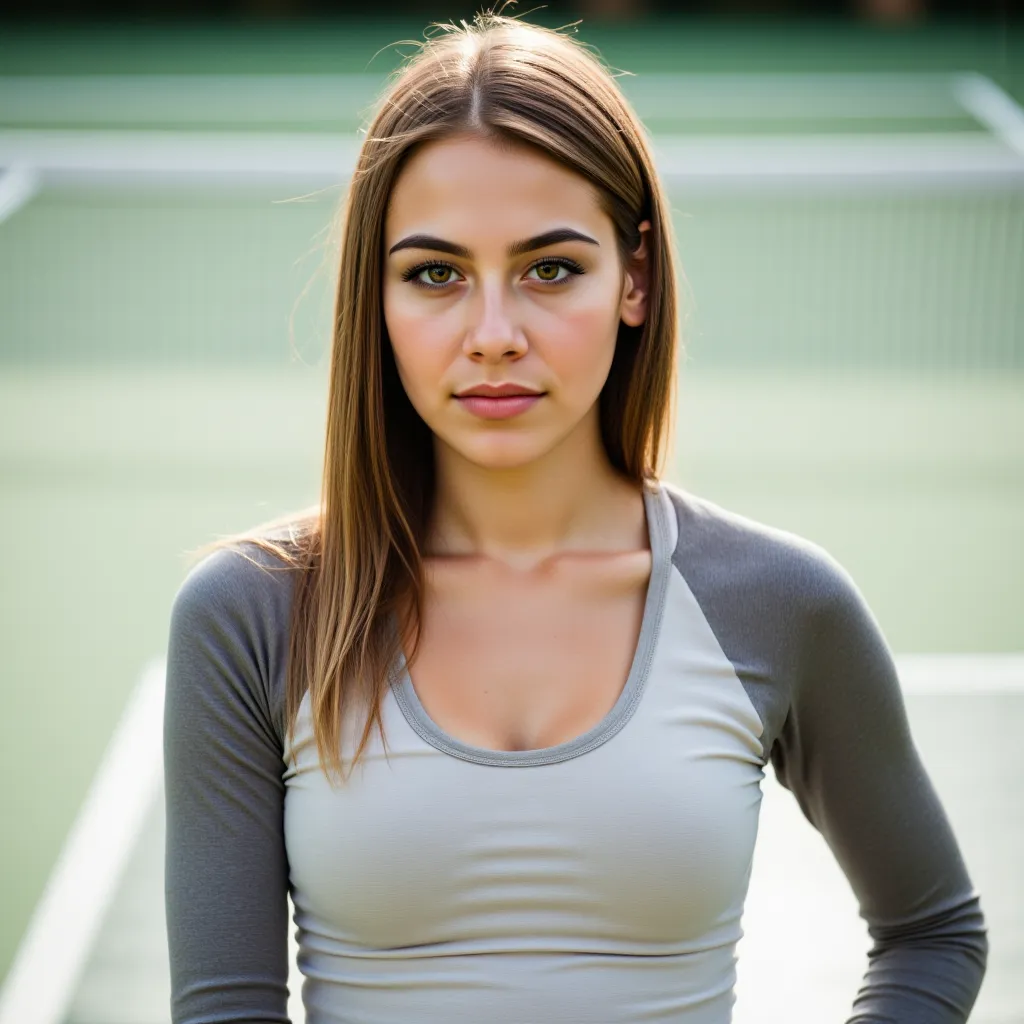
(621, 711)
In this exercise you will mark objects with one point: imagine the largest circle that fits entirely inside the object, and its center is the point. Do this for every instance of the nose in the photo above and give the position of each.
(493, 333)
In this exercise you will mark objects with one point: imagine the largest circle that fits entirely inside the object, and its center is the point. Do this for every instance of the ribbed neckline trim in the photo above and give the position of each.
(659, 535)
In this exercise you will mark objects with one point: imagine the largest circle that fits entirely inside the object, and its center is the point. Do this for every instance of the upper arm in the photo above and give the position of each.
(847, 753)
(226, 871)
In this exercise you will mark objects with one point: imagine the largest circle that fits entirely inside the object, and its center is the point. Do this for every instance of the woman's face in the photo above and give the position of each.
(501, 268)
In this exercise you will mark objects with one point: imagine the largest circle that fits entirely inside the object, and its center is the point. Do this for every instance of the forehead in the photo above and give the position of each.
(466, 188)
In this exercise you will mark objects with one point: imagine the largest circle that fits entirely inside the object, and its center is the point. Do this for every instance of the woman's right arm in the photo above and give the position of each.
(226, 871)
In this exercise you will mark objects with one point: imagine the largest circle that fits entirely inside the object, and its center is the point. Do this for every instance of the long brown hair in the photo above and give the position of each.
(358, 557)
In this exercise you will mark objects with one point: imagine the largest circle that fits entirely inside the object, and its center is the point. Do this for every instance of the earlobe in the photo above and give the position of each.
(633, 308)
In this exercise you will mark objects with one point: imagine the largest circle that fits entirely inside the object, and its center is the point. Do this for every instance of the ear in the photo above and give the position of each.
(637, 281)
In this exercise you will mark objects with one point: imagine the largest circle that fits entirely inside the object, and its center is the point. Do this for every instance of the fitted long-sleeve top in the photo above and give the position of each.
(599, 880)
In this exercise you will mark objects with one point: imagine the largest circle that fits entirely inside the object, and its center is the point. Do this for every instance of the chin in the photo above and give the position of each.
(500, 453)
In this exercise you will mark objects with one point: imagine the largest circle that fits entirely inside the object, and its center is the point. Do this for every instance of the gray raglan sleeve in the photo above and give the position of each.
(847, 754)
(226, 872)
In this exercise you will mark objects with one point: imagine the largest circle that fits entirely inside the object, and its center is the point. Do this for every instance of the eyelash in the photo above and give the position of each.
(412, 273)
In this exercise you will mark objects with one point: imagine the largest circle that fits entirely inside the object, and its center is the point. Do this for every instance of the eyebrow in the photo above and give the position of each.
(515, 249)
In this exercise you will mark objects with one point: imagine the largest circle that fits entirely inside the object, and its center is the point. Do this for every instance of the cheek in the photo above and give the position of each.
(578, 345)
(421, 345)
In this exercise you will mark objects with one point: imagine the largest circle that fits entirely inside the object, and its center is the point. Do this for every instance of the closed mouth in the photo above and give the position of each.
(499, 391)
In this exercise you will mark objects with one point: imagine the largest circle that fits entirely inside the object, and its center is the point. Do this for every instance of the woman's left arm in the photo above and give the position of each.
(847, 754)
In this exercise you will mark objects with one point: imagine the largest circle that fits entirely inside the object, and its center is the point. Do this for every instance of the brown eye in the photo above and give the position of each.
(557, 270)
(439, 274)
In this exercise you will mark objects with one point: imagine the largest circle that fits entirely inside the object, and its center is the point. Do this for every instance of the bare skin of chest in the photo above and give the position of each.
(524, 659)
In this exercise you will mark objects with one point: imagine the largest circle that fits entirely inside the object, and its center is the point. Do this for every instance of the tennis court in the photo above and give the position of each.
(853, 242)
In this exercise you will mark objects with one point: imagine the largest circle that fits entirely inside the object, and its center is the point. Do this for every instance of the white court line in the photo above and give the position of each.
(92, 156)
(18, 184)
(949, 675)
(312, 159)
(993, 107)
(42, 980)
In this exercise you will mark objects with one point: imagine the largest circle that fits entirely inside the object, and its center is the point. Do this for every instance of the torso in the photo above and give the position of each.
(513, 659)
(532, 844)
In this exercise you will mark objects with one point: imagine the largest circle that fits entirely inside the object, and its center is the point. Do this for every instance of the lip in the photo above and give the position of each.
(504, 407)
(498, 391)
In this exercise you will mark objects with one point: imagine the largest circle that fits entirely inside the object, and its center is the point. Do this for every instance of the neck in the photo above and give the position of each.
(572, 499)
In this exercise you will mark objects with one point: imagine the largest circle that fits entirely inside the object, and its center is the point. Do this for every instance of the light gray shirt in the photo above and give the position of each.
(601, 880)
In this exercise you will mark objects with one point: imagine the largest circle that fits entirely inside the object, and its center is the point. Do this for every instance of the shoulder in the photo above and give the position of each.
(234, 585)
(229, 637)
(786, 614)
(721, 550)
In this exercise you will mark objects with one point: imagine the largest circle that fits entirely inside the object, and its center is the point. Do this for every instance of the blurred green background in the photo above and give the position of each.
(854, 348)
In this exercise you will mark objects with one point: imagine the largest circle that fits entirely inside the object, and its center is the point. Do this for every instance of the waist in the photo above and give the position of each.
(443, 985)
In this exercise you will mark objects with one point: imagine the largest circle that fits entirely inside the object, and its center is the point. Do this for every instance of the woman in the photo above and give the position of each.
(496, 713)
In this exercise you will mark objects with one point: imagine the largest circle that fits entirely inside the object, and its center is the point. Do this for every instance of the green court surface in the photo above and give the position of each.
(854, 372)
(355, 46)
